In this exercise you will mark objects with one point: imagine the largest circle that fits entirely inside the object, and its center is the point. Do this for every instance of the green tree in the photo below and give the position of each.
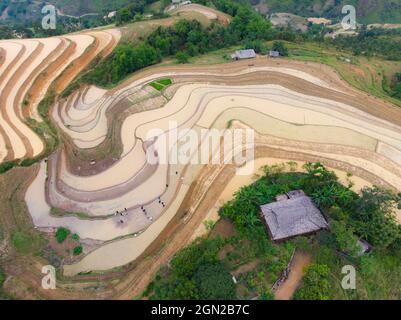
(374, 217)
(123, 15)
(315, 283)
(77, 250)
(62, 234)
(214, 282)
(258, 28)
(27, 243)
(280, 47)
(345, 238)
(182, 57)
(257, 45)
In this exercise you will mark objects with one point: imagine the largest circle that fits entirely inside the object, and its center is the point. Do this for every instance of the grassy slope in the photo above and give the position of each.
(134, 32)
(363, 73)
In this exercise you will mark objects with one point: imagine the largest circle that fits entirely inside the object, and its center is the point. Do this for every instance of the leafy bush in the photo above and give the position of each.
(257, 45)
(62, 234)
(75, 237)
(214, 282)
(316, 285)
(182, 57)
(8, 165)
(180, 280)
(374, 217)
(26, 243)
(280, 47)
(345, 239)
(77, 250)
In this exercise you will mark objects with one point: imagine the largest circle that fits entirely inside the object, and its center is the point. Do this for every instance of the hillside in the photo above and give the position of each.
(80, 121)
(79, 7)
(368, 11)
(71, 7)
(30, 10)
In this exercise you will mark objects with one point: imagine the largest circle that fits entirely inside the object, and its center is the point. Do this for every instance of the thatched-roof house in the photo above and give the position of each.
(297, 215)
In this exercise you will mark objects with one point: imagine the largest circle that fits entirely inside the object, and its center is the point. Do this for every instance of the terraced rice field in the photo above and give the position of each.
(209, 13)
(28, 69)
(299, 111)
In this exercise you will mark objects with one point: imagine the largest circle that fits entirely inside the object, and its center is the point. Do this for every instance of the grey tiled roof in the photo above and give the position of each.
(292, 217)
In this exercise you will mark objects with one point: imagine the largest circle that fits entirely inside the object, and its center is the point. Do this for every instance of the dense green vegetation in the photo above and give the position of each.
(315, 283)
(26, 243)
(5, 166)
(201, 271)
(351, 216)
(124, 60)
(62, 234)
(183, 40)
(370, 215)
(280, 47)
(134, 11)
(180, 280)
(376, 42)
(396, 86)
(214, 282)
(77, 250)
(75, 237)
(8, 32)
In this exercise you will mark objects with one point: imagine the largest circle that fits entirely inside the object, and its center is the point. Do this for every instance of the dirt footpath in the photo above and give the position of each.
(287, 289)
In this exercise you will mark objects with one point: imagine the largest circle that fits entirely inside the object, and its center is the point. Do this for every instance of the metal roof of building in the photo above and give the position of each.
(244, 54)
